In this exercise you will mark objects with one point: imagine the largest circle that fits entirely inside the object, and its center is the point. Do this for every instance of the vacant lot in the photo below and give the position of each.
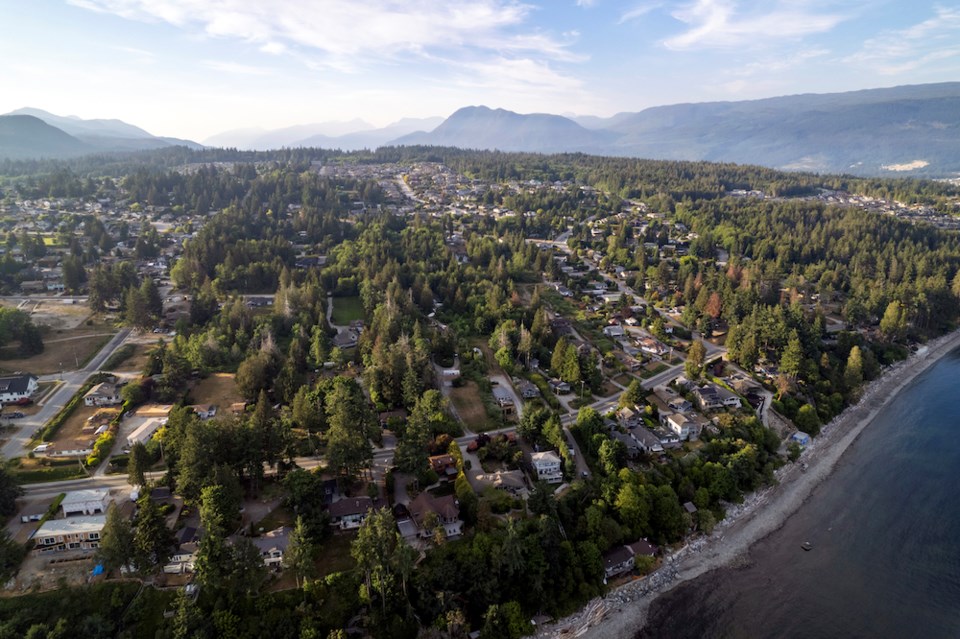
(71, 434)
(137, 360)
(64, 349)
(469, 405)
(346, 310)
(52, 313)
(219, 389)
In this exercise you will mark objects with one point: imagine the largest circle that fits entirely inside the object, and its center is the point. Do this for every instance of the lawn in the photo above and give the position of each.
(277, 517)
(219, 389)
(34, 471)
(346, 310)
(67, 349)
(334, 554)
(469, 405)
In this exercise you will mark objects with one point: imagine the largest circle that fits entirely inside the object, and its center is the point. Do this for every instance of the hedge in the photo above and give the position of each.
(47, 432)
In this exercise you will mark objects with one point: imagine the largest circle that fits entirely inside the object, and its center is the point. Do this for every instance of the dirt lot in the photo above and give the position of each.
(52, 313)
(219, 389)
(71, 434)
(64, 349)
(469, 406)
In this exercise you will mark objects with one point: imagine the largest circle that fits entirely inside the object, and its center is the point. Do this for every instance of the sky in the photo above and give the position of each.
(195, 68)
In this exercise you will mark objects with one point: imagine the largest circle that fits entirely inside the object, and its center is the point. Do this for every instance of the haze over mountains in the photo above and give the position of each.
(908, 130)
(34, 133)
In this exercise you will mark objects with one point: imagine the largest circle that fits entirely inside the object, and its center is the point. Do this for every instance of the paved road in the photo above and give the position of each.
(72, 381)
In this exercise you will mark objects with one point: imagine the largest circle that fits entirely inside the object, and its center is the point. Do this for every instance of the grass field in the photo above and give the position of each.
(469, 405)
(219, 389)
(346, 310)
(33, 471)
(66, 349)
(137, 359)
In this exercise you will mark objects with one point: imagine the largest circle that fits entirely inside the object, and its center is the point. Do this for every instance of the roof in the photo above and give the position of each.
(350, 506)
(616, 557)
(546, 457)
(103, 389)
(446, 507)
(277, 539)
(16, 383)
(72, 525)
(642, 548)
(84, 496)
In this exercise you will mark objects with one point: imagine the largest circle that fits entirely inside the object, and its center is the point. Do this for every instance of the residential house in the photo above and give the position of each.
(272, 545)
(510, 481)
(631, 444)
(181, 561)
(350, 512)
(15, 388)
(629, 416)
(647, 441)
(547, 466)
(650, 346)
(91, 501)
(711, 396)
(623, 559)
(614, 331)
(559, 386)
(444, 465)
(527, 389)
(504, 400)
(74, 533)
(683, 426)
(446, 508)
(707, 397)
(345, 339)
(103, 394)
(205, 411)
(668, 438)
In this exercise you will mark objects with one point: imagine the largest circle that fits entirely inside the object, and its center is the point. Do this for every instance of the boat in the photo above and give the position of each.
(807, 545)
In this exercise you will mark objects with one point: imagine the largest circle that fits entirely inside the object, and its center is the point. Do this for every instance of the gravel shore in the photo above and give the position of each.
(623, 611)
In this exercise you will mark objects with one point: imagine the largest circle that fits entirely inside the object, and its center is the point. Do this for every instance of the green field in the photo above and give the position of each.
(346, 310)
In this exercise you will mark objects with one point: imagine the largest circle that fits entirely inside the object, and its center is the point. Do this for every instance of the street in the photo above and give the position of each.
(72, 381)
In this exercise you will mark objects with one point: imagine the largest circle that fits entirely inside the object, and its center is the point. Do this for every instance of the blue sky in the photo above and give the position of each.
(194, 68)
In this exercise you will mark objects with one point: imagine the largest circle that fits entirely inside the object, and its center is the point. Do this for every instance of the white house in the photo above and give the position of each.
(14, 388)
(683, 426)
(272, 545)
(103, 394)
(547, 465)
(205, 411)
(75, 533)
(85, 502)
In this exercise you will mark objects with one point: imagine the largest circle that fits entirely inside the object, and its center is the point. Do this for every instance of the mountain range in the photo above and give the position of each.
(34, 133)
(907, 130)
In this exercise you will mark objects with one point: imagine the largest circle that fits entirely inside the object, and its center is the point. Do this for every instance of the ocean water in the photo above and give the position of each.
(885, 530)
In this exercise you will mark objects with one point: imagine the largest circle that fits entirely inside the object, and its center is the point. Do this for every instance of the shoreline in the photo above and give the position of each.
(622, 612)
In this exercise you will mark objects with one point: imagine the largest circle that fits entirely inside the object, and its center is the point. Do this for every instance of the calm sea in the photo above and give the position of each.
(885, 529)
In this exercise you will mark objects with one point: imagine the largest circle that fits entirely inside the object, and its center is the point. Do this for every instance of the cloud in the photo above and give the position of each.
(235, 68)
(899, 51)
(351, 33)
(640, 10)
(725, 24)
(586, 3)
